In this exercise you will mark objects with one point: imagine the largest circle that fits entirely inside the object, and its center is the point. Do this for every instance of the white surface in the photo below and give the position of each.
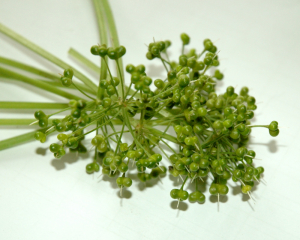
(44, 198)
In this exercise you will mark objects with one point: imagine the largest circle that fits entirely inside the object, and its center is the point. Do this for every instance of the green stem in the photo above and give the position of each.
(19, 122)
(162, 135)
(128, 89)
(80, 85)
(83, 60)
(128, 124)
(111, 77)
(28, 68)
(120, 138)
(201, 53)
(169, 146)
(162, 60)
(40, 51)
(252, 126)
(55, 79)
(103, 40)
(37, 83)
(56, 84)
(82, 92)
(114, 36)
(184, 183)
(122, 80)
(32, 105)
(112, 134)
(27, 121)
(105, 123)
(23, 138)
(212, 141)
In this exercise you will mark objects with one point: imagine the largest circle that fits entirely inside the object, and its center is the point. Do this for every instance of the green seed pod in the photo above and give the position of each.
(185, 39)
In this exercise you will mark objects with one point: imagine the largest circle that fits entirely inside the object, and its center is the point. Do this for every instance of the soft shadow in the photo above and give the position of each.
(176, 180)
(272, 145)
(201, 185)
(69, 158)
(148, 184)
(236, 190)
(182, 205)
(111, 180)
(222, 198)
(125, 194)
(41, 151)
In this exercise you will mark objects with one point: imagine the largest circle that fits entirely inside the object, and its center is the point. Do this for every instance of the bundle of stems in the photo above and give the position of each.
(210, 130)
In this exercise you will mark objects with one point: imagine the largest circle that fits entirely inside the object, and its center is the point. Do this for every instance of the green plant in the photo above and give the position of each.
(211, 130)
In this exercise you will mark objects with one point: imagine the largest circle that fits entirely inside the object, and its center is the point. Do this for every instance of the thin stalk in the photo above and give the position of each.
(23, 138)
(38, 84)
(161, 149)
(252, 126)
(128, 124)
(80, 85)
(105, 123)
(63, 110)
(114, 37)
(162, 135)
(201, 53)
(111, 77)
(19, 122)
(162, 60)
(28, 68)
(122, 80)
(184, 183)
(112, 134)
(103, 40)
(82, 92)
(120, 138)
(112, 127)
(57, 83)
(83, 60)
(169, 146)
(27, 121)
(128, 89)
(40, 51)
(32, 105)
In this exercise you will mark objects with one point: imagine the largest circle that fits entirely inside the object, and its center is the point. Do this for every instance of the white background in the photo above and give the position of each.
(259, 43)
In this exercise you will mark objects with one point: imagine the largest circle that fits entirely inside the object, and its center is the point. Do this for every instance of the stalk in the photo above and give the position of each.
(14, 141)
(115, 40)
(41, 73)
(103, 40)
(28, 68)
(32, 105)
(38, 84)
(45, 54)
(26, 122)
(20, 122)
(78, 56)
